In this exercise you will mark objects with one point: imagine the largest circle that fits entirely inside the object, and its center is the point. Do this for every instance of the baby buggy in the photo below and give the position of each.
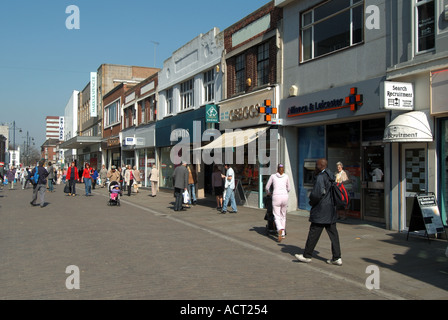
(269, 216)
(114, 194)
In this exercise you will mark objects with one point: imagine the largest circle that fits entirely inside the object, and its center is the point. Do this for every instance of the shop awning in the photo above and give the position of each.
(409, 127)
(236, 138)
(79, 142)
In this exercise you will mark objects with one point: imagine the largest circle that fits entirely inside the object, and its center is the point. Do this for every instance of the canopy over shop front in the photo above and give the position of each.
(236, 138)
(409, 127)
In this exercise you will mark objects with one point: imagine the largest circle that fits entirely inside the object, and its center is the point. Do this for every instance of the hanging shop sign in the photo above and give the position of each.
(93, 94)
(211, 113)
(398, 95)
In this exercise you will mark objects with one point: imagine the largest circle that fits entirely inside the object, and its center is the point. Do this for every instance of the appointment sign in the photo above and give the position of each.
(93, 94)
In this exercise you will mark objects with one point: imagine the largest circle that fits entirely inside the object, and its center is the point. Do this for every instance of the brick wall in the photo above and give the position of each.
(251, 52)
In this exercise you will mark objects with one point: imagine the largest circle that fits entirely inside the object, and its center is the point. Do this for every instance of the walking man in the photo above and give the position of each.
(229, 186)
(154, 178)
(41, 186)
(322, 215)
(180, 177)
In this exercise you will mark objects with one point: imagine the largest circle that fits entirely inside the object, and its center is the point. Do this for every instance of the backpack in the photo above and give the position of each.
(339, 194)
(35, 178)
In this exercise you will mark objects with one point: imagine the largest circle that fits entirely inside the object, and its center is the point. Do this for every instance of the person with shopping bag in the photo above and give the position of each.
(180, 180)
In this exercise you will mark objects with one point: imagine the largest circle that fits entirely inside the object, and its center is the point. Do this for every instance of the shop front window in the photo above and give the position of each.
(166, 168)
(443, 202)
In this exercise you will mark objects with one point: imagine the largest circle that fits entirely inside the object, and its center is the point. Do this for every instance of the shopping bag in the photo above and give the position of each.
(186, 197)
(67, 187)
(5, 182)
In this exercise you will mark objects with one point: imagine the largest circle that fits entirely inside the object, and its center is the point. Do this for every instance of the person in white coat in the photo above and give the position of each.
(280, 182)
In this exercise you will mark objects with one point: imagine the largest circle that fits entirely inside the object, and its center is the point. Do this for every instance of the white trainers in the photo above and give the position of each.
(301, 258)
(337, 262)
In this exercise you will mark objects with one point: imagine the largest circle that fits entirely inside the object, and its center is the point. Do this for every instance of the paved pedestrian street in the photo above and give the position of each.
(79, 248)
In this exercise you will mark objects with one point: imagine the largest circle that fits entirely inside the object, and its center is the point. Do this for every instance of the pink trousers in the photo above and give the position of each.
(279, 206)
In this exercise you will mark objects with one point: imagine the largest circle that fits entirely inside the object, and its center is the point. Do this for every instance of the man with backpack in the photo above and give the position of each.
(39, 186)
(322, 215)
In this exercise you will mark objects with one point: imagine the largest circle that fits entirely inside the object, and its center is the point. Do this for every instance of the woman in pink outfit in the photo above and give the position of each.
(280, 182)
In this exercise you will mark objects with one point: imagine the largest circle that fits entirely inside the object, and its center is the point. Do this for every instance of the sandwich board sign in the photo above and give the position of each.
(426, 216)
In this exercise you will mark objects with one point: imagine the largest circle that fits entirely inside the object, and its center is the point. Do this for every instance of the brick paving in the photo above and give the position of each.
(145, 250)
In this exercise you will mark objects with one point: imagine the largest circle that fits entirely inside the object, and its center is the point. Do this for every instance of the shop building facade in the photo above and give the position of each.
(253, 74)
(365, 100)
(190, 83)
(138, 136)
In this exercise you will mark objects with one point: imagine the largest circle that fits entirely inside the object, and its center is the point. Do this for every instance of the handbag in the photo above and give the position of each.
(67, 187)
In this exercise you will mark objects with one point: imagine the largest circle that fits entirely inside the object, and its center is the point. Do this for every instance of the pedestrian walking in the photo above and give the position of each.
(51, 176)
(94, 177)
(322, 215)
(180, 177)
(103, 175)
(217, 186)
(28, 176)
(114, 175)
(23, 177)
(129, 179)
(72, 177)
(229, 186)
(192, 180)
(154, 178)
(280, 182)
(41, 186)
(11, 176)
(137, 179)
(341, 177)
(87, 179)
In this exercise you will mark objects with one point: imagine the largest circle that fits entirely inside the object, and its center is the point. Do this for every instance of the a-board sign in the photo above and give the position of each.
(426, 216)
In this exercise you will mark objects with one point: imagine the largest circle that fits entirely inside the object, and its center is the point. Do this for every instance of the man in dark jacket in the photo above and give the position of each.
(322, 215)
(41, 185)
(180, 177)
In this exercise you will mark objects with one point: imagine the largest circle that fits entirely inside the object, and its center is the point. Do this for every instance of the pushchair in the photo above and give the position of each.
(114, 194)
(269, 216)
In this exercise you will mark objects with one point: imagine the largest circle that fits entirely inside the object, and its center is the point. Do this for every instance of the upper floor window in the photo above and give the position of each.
(169, 101)
(240, 73)
(263, 64)
(331, 26)
(209, 85)
(425, 25)
(112, 113)
(187, 94)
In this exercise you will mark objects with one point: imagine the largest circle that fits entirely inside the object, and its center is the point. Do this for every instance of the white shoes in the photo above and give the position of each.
(301, 258)
(337, 262)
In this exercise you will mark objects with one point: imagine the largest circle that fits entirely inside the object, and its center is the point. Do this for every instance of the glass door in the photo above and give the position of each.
(373, 182)
(414, 176)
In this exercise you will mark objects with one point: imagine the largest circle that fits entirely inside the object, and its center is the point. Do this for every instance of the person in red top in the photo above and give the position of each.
(87, 179)
(72, 176)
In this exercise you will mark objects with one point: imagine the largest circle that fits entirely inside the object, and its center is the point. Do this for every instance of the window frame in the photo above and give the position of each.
(107, 111)
(169, 101)
(240, 73)
(187, 94)
(263, 63)
(304, 27)
(418, 4)
(209, 85)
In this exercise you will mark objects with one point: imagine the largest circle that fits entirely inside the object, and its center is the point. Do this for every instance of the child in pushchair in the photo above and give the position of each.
(114, 194)
(269, 216)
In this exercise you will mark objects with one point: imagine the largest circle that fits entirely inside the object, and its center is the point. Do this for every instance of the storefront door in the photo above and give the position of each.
(414, 176)
(373, 182)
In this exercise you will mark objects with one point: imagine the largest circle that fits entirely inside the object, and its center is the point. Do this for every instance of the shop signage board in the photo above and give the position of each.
(93, 94)
(426, 216)
(211, 113)
(398, 95)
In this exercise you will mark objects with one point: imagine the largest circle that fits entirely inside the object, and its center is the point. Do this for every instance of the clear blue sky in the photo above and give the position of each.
(42, 62)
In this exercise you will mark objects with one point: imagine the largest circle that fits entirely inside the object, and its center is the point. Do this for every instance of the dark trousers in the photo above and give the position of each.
(314, 235)
(179, 199)
(131, 182)
(72, 184)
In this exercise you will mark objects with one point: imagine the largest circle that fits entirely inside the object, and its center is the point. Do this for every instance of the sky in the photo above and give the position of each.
(42, 61)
